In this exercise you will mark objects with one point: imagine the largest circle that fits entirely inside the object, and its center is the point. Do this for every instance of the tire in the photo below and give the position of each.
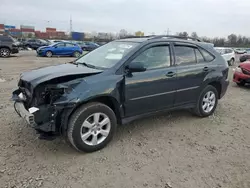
(4, 52)
(49, 54)
(231, 62)
(76, 54)
(77, 130)
(199, 109)
(242, 83)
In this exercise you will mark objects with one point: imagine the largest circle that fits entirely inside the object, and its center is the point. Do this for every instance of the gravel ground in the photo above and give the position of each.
(174, 150)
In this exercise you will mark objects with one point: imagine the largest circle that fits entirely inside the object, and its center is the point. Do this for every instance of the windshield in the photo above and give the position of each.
(107, 55)
(220, 50)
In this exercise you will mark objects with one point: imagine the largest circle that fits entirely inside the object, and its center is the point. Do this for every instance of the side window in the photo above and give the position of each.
(208, 57)
(6, 39)
(60, 45)
(154, 57)
(184, 55)
(199, 57)
(69, 45)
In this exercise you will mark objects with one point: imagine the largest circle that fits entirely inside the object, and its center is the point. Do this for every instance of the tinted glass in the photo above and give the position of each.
(208, 57)
(69, 45)
(184, 55)
(155, 57)
(199, 57)
(60, 45)
(5, 39)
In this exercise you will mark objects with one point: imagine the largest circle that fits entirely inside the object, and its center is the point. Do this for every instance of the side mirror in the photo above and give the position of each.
(136, 67)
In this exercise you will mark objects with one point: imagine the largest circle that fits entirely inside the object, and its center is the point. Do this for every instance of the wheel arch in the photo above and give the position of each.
(217, 86)
(5, 47)
(108, 100)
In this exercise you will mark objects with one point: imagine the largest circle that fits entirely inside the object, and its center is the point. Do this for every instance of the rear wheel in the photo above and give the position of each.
(76, 54)
(91, 127)
(4, 52)
(49, 54)
(207, 102)
(231, 62)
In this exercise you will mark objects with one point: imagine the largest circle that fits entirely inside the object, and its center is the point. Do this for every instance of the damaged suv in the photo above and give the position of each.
(121, 81)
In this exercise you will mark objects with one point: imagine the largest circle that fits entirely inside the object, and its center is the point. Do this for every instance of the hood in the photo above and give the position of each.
(42, 47)
(245, 65)
(72, 71)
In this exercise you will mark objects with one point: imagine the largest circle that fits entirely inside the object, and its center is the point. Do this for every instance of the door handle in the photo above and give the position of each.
(205, 69)
(170, 74)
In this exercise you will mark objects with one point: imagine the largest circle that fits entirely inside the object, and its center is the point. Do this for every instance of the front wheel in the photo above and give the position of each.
(207, 102)
(242, 83)
(4, 52)
(49, 54)
(91, 127)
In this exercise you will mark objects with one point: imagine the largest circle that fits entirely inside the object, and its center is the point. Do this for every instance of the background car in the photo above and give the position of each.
(8, 45)
(60, 49)
(240, 51)
(88, 46)
(242, 74)
(35, 43)
(228, 54)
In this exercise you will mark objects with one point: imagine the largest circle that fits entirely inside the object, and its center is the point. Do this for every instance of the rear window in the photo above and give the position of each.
(5, 39)
(208, 57)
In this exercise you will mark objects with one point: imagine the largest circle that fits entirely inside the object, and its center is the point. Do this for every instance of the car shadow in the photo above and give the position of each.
(61, 145)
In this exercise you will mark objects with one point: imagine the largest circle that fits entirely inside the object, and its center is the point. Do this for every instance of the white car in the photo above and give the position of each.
(228, 54)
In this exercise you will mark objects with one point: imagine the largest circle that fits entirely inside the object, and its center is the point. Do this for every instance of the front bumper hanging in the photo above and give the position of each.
(22, 112)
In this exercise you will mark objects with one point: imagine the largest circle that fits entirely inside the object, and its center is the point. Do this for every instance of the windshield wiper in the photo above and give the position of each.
(88, 65)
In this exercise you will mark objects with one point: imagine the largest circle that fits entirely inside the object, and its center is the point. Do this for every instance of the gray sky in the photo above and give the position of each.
(206, 17)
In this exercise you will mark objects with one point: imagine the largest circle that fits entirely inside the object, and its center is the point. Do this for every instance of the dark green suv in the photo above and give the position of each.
(118, 82)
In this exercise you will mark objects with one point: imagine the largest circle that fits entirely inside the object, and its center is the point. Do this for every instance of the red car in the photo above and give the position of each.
(242, 74)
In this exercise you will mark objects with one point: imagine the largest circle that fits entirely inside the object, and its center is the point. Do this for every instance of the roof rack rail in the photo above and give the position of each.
(174, 36)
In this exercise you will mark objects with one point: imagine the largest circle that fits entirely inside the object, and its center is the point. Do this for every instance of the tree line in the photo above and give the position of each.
(232, 40)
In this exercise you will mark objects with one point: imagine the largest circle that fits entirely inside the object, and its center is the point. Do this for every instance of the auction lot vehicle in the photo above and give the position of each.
(242, 74)
(119, 82)
(60, 49)
(88, 46)
(35, 43)
(228, 54)
(8, 46)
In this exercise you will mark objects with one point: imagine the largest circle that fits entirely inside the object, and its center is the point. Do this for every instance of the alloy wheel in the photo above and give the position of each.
(95, 129)
(4, 52)
(208, 102)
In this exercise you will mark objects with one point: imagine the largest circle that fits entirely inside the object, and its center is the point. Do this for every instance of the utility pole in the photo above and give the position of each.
(70, 22)
(168, 32)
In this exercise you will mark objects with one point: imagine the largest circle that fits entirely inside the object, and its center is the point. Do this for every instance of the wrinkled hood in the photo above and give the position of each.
(37, 76)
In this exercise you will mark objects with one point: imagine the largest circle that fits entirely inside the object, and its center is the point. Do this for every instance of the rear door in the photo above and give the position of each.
(69, 49)
(193, 65)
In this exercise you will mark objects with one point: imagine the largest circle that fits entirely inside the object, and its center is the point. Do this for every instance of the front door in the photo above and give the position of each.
(153, 89)
(59, 49)
(193, 65)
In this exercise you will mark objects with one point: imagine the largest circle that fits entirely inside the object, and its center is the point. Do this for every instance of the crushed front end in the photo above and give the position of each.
(44, 107)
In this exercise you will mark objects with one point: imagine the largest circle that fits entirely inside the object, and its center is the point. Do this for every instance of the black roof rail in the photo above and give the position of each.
(174, 36)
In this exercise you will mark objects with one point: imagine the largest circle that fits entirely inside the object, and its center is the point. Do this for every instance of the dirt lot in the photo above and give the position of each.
(173, 150)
